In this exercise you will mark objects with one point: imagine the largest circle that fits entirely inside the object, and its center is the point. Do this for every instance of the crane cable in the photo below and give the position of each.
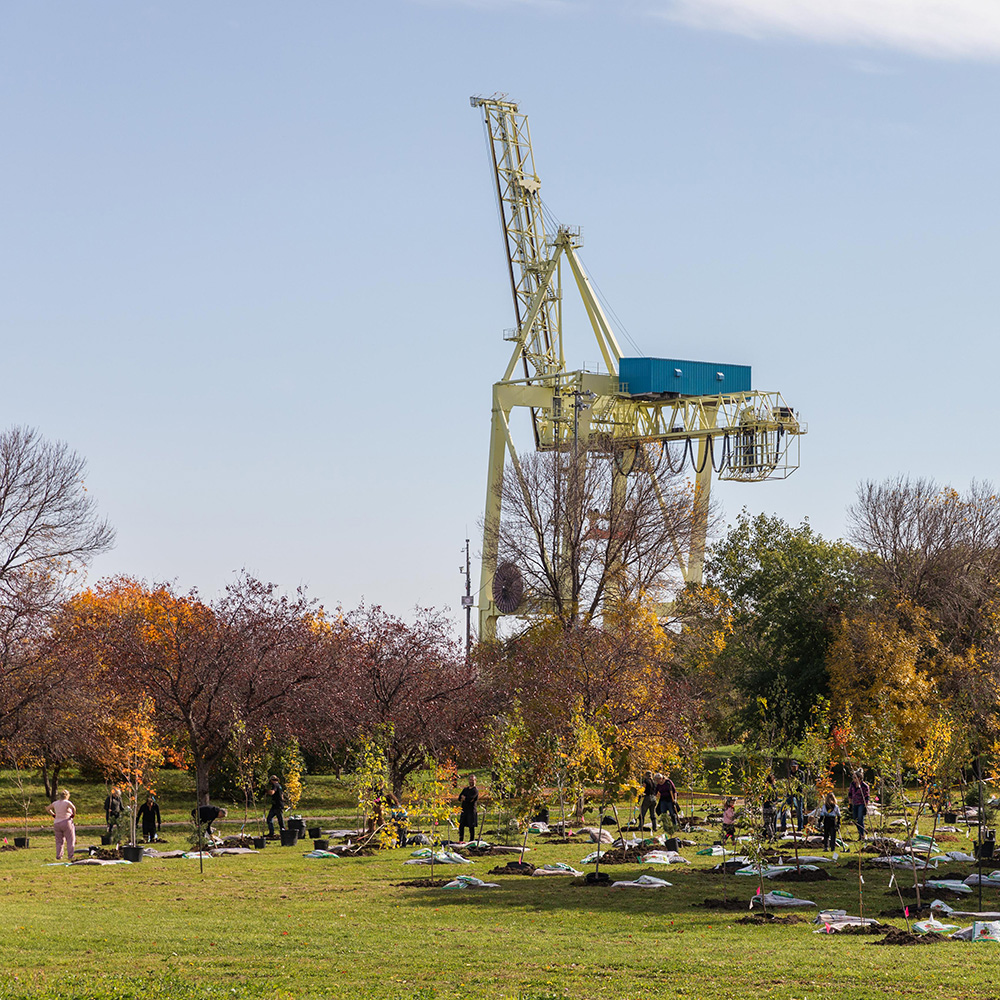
(687, 454)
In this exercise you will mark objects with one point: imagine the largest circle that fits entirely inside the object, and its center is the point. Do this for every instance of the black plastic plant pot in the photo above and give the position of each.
(320, 844)
(314, 832)
(289, 838)
(298, 825)
(105, 839)
(597, 878)
(132, 852)
(259, 843)
(951, 817)
(21, 841)
(672, 844)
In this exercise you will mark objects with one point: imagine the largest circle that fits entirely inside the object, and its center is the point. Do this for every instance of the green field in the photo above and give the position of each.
(278, 925)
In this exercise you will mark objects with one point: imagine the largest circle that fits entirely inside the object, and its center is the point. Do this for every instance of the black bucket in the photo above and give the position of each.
(320, 844)
(259, 843)
(289, 838)
(132, 852)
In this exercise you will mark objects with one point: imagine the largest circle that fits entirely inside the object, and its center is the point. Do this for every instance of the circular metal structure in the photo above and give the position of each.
(508, 588)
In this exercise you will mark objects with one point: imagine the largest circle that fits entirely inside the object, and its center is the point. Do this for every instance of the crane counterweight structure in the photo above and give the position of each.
(721, 424)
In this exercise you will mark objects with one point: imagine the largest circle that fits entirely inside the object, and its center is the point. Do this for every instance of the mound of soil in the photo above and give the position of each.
(238, 842)
(802, 875)
(106, 853)
(730, 867)
(8, 847)
(424, 883)
(513, 868)
(732, 905)
(953, 876)
(603, 883)
(899, 936)
(770, 918)
(627, 856)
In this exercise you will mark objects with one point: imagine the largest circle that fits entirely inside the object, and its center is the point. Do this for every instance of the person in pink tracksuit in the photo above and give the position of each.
(64, 812)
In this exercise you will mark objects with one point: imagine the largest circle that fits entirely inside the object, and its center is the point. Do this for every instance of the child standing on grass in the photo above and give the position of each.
(729, 821)
(829, 813)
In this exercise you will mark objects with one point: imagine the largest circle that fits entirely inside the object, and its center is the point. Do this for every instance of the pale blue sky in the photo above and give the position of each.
(251, 264)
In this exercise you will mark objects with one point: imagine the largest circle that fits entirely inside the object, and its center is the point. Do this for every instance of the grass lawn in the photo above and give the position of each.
(278, 925)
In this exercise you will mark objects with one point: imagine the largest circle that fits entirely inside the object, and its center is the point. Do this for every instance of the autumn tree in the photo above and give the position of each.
(406, 680)
(880, 659)
(205, 666)
(615, 681)
(61, 724)
(937, 550)
(127, 748)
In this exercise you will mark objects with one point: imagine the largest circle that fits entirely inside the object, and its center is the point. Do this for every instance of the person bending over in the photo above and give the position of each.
(208, 815)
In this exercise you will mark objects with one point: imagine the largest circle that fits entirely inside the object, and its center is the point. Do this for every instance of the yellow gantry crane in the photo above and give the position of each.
(723, 425)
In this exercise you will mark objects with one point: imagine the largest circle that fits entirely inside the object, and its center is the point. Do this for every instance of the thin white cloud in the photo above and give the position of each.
(942, 28)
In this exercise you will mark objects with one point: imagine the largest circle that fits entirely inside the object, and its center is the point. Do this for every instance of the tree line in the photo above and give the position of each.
(889, 637)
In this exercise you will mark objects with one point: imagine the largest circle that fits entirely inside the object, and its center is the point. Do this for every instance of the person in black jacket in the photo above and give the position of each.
(113, 809)
(208, 815)
(277, 810)
(468, 799)
(647, 801)
(149, 816)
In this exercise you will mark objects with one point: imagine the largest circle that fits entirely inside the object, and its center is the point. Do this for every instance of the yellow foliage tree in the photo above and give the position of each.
(881, 664)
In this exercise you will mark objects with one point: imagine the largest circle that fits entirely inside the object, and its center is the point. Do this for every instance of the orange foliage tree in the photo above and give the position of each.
(204, 666)
(127, 748)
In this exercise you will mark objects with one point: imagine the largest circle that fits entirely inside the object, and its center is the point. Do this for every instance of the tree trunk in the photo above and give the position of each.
(201, 768)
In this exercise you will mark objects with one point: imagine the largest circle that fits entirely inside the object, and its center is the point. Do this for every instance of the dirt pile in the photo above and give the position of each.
(513, 868)
(898, 936)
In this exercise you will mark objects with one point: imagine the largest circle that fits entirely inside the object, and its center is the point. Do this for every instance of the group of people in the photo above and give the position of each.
(148, 817)
(657, 798)
(826, 817)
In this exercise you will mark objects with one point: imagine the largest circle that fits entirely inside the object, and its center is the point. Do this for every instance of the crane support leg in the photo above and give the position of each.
(488, 613)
